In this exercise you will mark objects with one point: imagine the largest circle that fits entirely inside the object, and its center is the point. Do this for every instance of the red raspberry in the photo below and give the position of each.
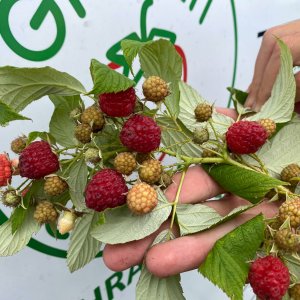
(107, 189)
(245, 137)
(37, 160)
(269, 278)
(140, 134)
(119, 104)
(5, 170)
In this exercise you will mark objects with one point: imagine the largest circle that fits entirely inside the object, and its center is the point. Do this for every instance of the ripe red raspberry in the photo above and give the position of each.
(119, 104)
(244, 137)
(37, 160)
(5, 170)
(140, 134)
(107, 189)
(269, 278)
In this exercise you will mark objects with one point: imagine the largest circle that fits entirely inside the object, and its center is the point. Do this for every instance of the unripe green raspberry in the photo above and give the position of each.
(269, 125)
(203, 112)
(155, 89)
(287, 240)
(54, 186)
(201, 136)
(93, 117)
(45, 212)
(290, 171)
(11, 198)
(92, 155)
(125, 163)
(150, 171)
(83, 133)
(18, 144)
(290, 208)
(142, 198)
(294, 292)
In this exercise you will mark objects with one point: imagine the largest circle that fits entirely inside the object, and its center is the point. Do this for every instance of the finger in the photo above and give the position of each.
(262, 59)
(198, 186)
(187, 253)
(272, 68)
(120, 257)
(297, 78)
(267, 46)
(230, 112)
(123, 256)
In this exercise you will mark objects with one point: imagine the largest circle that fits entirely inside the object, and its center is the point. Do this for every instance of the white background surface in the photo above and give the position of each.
(209, 51)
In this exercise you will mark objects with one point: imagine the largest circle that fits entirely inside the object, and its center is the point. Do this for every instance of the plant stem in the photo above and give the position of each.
(177, 197)
(22, 184)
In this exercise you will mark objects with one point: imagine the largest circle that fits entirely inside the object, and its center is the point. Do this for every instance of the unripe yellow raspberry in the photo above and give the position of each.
(93, 117)
(287, 240)
(155, 89)
(203, 112)
(150, 171)
(45, 212)
(290, 171)
(269, 125)
(54, 185)
(142, 198)
(18, 144)
(125, 163)
(290, 208)
(83, 133)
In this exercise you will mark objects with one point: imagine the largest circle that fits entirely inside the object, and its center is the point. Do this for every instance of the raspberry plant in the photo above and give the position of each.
(97, 169)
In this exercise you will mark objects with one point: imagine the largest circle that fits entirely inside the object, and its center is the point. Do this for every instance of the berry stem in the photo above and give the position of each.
(262, 165)
(194, 160)
(177, 197)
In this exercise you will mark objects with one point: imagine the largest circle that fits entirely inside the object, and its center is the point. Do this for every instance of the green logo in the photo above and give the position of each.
(46, 7)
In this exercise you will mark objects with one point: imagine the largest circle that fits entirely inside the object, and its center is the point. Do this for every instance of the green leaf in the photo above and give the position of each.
(36, 189)
(17, 218)
(77, 182)
(293, 264)
(13, 243)
(20, 86)
(242, 182)
(160, 58)
(227, 263)
(83, 247)
(239, 95)
(283, 149)
(7, 114)
(239, 98)
(61, 126)
(107, 80)
(134, 227)
(176, 137)
(194, 218)
(280, 105)
(109, 143)
(151, 287)
(189, 99)
(131, 49)
(43, 135)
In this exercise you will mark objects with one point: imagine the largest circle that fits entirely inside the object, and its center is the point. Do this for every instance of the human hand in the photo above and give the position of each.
(188, 252)
(268, 63)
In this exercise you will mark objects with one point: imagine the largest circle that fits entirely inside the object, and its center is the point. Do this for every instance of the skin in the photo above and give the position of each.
(268, 63)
